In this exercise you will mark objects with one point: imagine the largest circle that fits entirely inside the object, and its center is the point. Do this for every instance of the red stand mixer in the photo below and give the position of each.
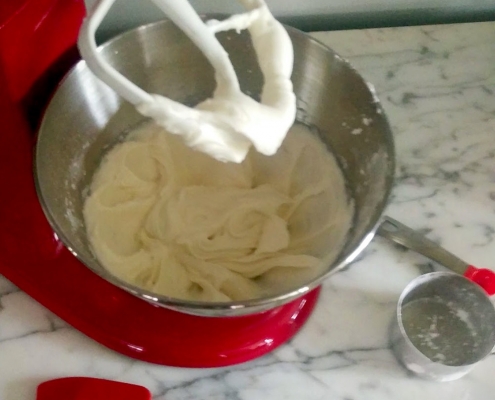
(37, 47)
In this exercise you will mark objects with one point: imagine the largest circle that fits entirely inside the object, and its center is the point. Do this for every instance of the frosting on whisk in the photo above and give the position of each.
(226, 125)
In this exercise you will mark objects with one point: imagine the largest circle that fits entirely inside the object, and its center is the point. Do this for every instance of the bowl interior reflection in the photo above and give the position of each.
(85, 118)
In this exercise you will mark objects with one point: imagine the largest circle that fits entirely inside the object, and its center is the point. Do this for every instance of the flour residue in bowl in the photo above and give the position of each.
(179, 223)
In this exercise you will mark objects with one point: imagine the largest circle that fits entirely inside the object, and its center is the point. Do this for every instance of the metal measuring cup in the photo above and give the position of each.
(444, 323)
(443, 326)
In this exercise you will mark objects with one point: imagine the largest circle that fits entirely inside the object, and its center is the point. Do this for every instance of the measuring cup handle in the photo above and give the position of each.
(483, 277)
(399, 233)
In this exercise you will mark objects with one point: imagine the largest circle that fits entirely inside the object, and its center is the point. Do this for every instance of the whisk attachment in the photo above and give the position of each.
(226, 125)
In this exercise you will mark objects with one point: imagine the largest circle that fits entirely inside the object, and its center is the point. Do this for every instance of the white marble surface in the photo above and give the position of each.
(437, 85)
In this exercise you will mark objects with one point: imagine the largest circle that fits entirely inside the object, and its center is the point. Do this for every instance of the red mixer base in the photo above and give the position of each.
(32, 258)
(31, 255)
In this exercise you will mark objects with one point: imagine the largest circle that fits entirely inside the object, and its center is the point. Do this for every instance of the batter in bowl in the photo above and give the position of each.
(177, 222)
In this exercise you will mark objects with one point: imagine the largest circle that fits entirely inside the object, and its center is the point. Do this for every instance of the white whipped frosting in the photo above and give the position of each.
(228, 124)
(182, 224)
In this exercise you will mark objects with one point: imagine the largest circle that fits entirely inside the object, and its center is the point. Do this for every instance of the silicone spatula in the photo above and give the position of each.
(82, 388)
(409, 238)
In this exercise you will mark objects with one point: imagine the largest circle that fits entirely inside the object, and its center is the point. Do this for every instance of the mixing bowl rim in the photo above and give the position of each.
(238, 305)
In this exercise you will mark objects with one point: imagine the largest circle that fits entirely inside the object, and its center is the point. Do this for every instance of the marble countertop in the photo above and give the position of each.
(437, 85)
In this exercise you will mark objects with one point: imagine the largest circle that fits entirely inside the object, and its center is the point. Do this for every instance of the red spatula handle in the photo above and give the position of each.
(483, 277)
(82, 388)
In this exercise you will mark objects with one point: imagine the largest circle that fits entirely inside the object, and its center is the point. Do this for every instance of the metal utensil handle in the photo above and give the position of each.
(399, 233)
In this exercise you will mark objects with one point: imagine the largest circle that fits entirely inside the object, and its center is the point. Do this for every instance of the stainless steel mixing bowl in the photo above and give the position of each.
(85, 118)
